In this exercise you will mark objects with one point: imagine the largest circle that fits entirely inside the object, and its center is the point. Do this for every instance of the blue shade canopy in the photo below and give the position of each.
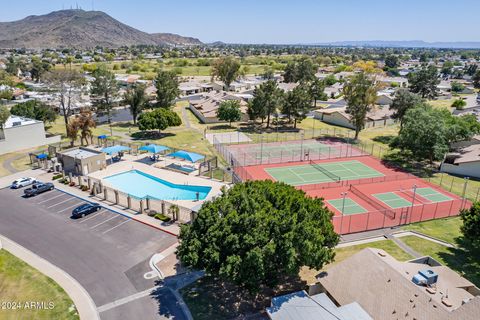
(103, 136)
(115, 149)
(42, 156)
(154, 148)
(190, 156)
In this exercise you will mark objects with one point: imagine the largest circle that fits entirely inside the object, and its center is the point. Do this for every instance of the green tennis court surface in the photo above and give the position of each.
(293, 149)
(322, 172)
(432, 195)
(350, 207)
(392, 200)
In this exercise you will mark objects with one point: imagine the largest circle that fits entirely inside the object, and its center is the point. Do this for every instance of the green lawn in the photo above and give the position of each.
(464, 259)
(443, 229)
(19, 282)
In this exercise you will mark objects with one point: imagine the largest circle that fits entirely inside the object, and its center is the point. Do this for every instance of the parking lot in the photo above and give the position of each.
(106, 252)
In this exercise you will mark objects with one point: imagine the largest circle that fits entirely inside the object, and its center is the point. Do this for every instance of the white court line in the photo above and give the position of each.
(56, 204)
(61, 194)
(103, 222)
(118, 225)
(76, 204)
(96, 214)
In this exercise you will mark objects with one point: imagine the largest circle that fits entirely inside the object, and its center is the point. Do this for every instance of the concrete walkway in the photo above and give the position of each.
(7, 164)
(186, 121)
(82, 300)
(404, 246)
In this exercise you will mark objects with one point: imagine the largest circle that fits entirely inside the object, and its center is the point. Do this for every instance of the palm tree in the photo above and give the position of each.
(136, 98)
(86, 123)
(72, 130)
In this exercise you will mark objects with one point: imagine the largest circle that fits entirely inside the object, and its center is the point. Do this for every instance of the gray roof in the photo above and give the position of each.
(300, 306)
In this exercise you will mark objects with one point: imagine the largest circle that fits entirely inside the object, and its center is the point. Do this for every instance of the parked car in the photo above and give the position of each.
(23, 182)
(38, 188)
(85, 209)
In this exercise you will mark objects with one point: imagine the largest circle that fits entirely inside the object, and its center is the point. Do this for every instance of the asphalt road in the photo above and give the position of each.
(107, 253)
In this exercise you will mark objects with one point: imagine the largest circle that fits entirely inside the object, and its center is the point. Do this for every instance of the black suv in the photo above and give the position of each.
(85, 209)
(38, 188)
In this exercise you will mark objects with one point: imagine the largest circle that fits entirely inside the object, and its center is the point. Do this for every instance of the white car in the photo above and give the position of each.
(23, 182)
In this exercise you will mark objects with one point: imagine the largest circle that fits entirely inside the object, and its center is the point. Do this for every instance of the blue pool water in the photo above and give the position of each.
(140, 185)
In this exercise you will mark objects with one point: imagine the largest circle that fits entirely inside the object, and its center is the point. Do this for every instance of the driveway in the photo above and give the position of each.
(106, 252)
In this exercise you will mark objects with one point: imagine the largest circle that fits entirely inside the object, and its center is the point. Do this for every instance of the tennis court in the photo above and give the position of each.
(314, 173)
(349, 207)
(392, 200)
(431, 194)
(291, 149)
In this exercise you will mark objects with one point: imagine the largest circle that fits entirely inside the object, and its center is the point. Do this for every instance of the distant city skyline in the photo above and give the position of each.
(281, 21)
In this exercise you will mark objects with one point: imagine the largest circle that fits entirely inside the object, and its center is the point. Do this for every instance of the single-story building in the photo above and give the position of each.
(337, 115)
(301, 306)
(465, 162)
(81, 161)
(20, 133)
(205, 108)
(421, 289)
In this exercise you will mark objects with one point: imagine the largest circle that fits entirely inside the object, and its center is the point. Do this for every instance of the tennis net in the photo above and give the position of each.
(319, 167)
(388, 212)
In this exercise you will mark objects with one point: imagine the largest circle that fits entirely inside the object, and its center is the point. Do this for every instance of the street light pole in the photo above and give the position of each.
(413, 201)
(344, 195)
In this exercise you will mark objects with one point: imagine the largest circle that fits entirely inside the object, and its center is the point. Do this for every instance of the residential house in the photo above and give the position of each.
(336, 114)
(389, 289)
(301, 306)
(20, 133)
(205, 106)
(465, 161)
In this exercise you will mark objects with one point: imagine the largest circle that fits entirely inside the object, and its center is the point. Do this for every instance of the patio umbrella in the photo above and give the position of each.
(189, 156)
(115, 149)
(103, 136)
(42, 156)
(154, 148)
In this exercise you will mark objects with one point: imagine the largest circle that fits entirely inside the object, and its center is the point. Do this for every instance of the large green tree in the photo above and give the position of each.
(104, 91)
(166, 84)
(229, 110)
(4, 115)
(257, 232)
(34, 109)
(136, 99)
(317, 91)
(267, 98)
(226, 69)
(471, 224)
(403, 101)
(297, 104)
(158, 119)
(360, 93)
(476, 79)
(424, 133)
(302, 70)
(424, 82)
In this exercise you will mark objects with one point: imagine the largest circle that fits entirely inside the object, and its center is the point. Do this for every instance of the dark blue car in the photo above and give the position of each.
(85, 209)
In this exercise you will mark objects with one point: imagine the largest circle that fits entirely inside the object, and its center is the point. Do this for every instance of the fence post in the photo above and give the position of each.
(105, 193)
(476, 197)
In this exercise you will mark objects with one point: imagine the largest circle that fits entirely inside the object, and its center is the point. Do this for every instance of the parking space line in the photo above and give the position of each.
(103, 222)
(118, 225)
(56, 204)
(76, 204)
(96, 214)
(61, 194)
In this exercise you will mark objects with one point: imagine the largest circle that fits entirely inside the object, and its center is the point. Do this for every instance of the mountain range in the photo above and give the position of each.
(404, 44)
(80, 29)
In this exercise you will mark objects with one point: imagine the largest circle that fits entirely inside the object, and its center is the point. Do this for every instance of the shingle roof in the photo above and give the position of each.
(383, 287)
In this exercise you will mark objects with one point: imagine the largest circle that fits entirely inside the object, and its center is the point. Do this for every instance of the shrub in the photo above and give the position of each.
(71, 184)
(162, 217)
(84, 188)
(57, 176)
(459, 104)
(152, 213)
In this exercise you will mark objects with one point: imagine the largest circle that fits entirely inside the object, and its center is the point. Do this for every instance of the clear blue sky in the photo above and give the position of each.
(282, 21)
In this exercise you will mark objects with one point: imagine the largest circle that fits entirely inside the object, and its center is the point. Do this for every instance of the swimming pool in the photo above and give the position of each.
(140, 185)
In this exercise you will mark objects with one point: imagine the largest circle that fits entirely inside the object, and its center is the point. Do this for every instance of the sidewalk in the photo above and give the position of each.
(82, 300)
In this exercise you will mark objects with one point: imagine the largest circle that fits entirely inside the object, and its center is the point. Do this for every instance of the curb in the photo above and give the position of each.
(81, 298)
(118, 212)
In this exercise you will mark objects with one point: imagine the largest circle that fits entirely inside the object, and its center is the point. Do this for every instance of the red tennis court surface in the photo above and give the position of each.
(383, 201)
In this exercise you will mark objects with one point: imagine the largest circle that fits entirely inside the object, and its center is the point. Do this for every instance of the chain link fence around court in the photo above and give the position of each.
(388, 218)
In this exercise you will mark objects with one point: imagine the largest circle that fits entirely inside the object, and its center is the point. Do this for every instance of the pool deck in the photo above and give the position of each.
(167, 175)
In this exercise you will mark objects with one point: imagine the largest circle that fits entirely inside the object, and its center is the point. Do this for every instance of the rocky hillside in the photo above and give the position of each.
(80, 29)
